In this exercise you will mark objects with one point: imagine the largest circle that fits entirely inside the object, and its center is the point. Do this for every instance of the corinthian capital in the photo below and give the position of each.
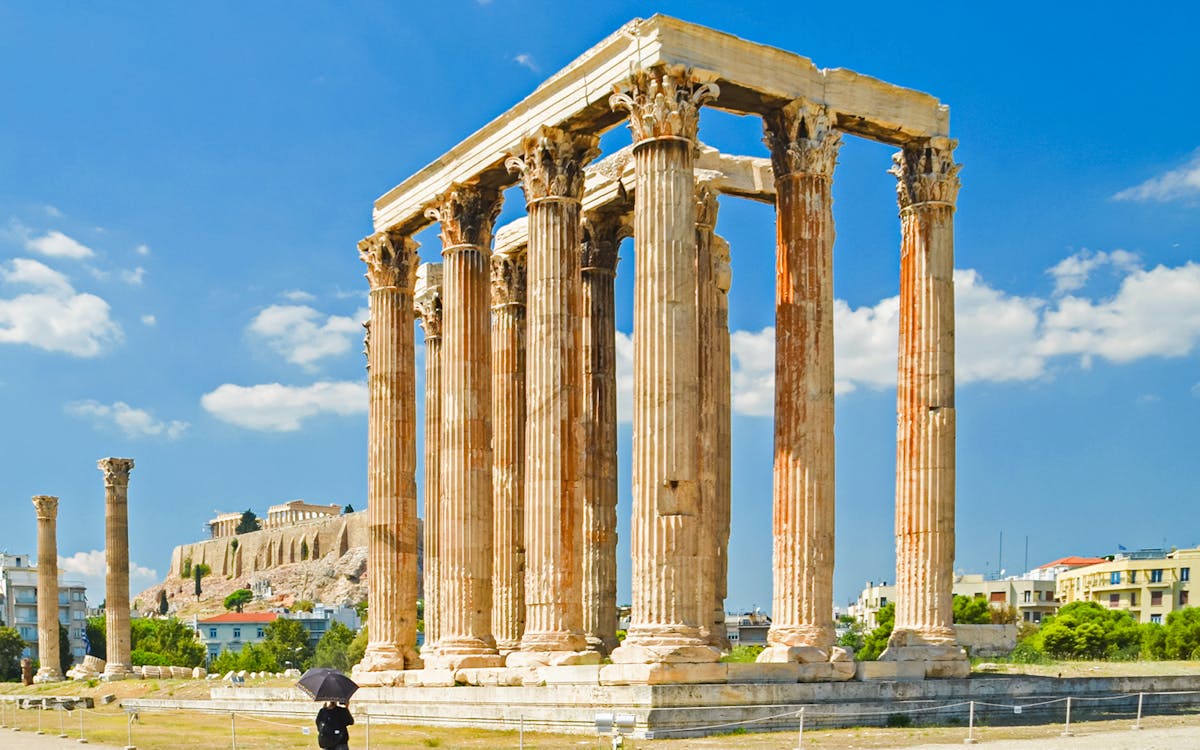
(46, 507)
(391, 259)
(926, 173)
(428, 299)
(602, 234)
(467, 214)
(663, 102)
(508, 279)
(116, 470)
(801, 138)
(552, 162)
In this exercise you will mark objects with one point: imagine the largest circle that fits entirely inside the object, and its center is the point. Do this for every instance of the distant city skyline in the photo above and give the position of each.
(184, 186)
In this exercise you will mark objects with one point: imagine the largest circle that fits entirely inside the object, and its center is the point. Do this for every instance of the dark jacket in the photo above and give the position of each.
(331, 726)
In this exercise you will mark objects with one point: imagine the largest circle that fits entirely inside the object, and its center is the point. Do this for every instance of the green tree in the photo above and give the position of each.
(185, 568)
(169, 639)
(972, 610)
(248, 523)
(331, 649)
(304, 605)
(876, 641)
(65, 657)
(239, 599)
(357, 647)
(303, 549)
(287, 641)
(348, 509)
(198, 575)
(1085, 630)
(11, 646)
(853, 637)
(253, 658)
(163, 605)
(1182, 634)
(97, 635)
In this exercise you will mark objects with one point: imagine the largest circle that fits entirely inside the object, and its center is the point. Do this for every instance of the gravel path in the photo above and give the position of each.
(1175, 738)
(25, 740)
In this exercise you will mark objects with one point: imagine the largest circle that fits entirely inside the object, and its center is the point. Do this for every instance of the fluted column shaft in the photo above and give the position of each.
(465, 529)
(429, 308)
(601, 240)
(722, 277)
(925, 456)
(551, 165)
(804, 152)
(46, 507)
(508, 442)
(667, 530)
(116, 558)
(391, 260)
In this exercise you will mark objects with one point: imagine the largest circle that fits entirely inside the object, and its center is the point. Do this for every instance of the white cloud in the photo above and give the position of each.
(996, 333)
(303, 335)
(273, 407)
(525, 60)
(58, 245)
(1072, 272)
(1155, 313)
(134, 277)
(149, 320)
(135, 423)
(54, 317)
(142, 249)
(1176, 184)
(91, 568)
(752, 377)
(298, 295)
(52, 211)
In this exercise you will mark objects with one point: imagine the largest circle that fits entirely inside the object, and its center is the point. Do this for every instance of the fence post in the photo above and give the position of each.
(1137, 724)
(41, 709)
(1067, 729)
(521, 741)
(970, 740)
(82, 740)
(62, 730)
(129, 730)
(367, 721)
(233, 729)
(800, 736)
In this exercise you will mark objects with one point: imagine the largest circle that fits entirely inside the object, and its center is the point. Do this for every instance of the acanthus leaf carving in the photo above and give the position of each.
(45, 507)
(663, 102)
(467, 214)
(391, 259)
(552, 163)
(801, 138)
(602, 234)
(509, 274)
(427, 301)
(116, 470)
(926, 173)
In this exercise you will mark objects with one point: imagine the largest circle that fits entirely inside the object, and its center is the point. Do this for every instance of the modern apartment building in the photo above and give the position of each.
(1148, 583)
(18, 603)
(1034, 597)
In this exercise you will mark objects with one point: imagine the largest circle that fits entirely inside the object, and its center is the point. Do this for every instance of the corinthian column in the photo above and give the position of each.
(47, 588)
(466, 213)
(602, 235)
(116, 556)
(552, 167)
(391, 260)
(429, 307)
(927, 188)
(713, 334)
(803, 154)
(508, 446)
(666, 529)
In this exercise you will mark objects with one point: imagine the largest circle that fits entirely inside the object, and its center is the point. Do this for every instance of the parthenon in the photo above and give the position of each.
(520, 421)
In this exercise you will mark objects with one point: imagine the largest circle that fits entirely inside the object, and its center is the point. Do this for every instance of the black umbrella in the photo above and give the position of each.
(325, 684)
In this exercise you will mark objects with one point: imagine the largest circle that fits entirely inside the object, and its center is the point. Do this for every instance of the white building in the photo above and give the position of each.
(18, 603)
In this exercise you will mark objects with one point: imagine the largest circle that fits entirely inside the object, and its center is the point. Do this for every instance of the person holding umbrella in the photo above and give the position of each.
(335, 689)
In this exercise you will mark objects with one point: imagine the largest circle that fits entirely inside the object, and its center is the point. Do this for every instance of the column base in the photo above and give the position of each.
(938, 651)
(47, 674)
(602, 646)
(664, 644)
(116, 672)
(777, 653)
(463, 653)
(387, 657)
(526, 658)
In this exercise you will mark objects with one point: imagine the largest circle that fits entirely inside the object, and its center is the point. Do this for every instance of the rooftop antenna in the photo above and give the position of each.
(1000, 556)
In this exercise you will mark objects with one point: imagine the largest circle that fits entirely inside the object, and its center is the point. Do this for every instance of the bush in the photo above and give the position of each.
(742, 654)
(899, 721)
(139, 657)
(1027, 653)
(1085, 630)
(333, 647)
(357, 647)
(876, 641)
(972, 610)
(168, 639)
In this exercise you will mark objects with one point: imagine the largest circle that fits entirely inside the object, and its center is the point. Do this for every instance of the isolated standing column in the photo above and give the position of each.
(666, 529)
(116, 582)
(803, 154)
(391, 260)
(46, 507)
(428, 302)
(927, 187)
(508, 444)
(602, 234)
(467, 214)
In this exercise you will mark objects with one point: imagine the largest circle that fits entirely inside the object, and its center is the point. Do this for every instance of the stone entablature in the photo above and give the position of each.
(298, 511)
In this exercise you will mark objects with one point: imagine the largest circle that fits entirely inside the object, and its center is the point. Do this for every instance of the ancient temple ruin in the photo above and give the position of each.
(520, 420)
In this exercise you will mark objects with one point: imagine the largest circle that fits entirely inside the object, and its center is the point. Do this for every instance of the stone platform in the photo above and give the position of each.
(663, 711)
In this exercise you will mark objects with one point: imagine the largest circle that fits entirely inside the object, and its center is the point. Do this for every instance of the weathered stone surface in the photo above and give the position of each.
(199, 673)
(551, 658)
(428, 303)
(800, 654)
(663, 673)
(582, 674)
(784, 671)
(894, 671)
(46, 507)
(497, 676)
(116, 581)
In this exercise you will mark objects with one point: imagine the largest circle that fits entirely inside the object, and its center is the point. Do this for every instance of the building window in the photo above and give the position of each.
(237, 632)
(1183, 598)
(1133, 576)
(998, 596)
(1185, 574)
(1155, 598)
(212, 632)
(1037, 616)
(1114, 577)
(1028, 596)
(1132, 599)
(1156, 619)
(260, 633)
(1114, 600)
(1156, 575)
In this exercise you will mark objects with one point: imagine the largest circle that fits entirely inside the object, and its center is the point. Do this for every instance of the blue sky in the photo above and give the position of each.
(182, 187)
